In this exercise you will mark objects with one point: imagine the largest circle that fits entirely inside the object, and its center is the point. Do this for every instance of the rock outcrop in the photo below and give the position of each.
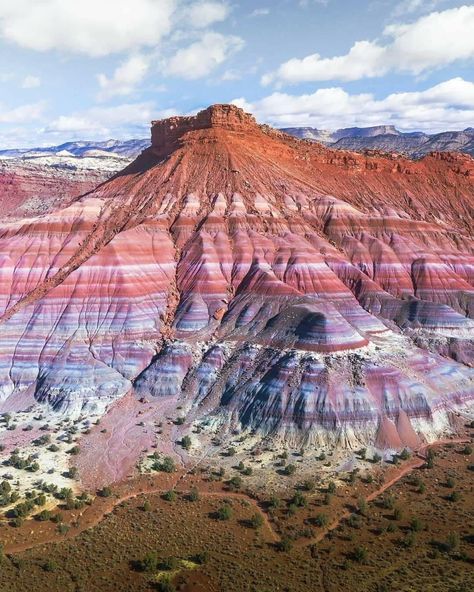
(267, 283)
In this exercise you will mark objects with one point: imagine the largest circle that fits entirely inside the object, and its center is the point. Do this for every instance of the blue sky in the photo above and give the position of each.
(96, 69)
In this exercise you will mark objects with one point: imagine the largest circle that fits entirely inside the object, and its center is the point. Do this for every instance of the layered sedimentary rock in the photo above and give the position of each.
(268, 283)
(38, 184)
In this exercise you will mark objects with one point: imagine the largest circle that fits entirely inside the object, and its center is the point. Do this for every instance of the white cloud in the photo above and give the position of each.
(448, 105)
(260, 12)
(22, 114)
(410, 6)
(200, 58)
(125, 78)
(91, 27)
(104, 122)
(31, 82)
(205, 13)
(433, 41)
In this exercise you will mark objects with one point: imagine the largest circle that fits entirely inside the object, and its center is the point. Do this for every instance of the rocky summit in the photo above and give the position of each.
(264, 283)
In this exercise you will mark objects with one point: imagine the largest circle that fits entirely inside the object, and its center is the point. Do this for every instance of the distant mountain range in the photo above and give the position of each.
(125, 148)
(381, 137)
(388, 139)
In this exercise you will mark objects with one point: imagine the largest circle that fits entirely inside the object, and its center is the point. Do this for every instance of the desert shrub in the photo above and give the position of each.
(397, 513)
(321, 520)
(186, 442)
(405, 454)
(169, 563)
(454, 496)
(309, 485)
(53, 448)
(57, 518)
(170, 496)
(285, 545)
(274, 502)
(146, 506)
(165, 585)
(362, 506)
(63, 528)
(149, 563)
(299, 500)
(327, 499)
(290, 469)
(43, 516)
(467, 449)
(50, 565)
(5, 487)
(331, 487)
(104, 492)
(450, 482)
(430, 456)
(247, 471)
(179, 420)
(388, 502)
(235, 483)
(360, 554)
(193, 495)
(409, 540)
(42, 440)
(201, 558)
(416, 524)
(452, 542)
(224, 512)
(166, 465)
(256, 521)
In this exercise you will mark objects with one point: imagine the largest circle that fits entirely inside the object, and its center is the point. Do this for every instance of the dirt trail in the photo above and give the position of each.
(415, 463)
(101, 507)
(90, 519)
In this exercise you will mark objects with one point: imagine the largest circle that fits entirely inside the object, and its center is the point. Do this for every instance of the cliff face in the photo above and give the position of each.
(266, 282)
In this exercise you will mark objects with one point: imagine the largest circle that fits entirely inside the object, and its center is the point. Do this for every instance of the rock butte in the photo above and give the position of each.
(267, 283)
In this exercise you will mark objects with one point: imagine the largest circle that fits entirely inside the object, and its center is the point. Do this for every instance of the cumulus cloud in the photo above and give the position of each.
(91, 27)
(22, 113)
(201, 57)
(31, 81)
(125, 78)
(448, 105)
(432, 41)
(205, 13)
(104, 122)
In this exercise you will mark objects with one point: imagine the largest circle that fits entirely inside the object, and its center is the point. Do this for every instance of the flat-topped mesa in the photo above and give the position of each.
(166, 133)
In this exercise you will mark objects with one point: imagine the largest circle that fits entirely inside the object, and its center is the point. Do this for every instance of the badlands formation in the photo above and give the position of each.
(259, 284)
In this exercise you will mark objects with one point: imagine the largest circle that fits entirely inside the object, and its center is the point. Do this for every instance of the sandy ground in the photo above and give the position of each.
(126, 433)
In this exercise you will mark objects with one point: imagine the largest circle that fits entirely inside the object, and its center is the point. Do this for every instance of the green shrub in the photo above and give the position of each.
(285, 545)
(50, 565)
(170, 496)
(150, 562)
(43, 516)
(256, 521)
(104, 492)
(321, 520)
(224, 512)
(194, 495)
(186, 442)
(360, 554)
